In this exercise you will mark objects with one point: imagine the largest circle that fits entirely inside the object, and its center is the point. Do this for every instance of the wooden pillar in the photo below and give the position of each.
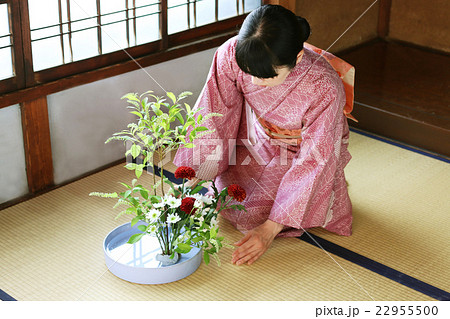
(163, 25)
(38, 151)
(384, 15)
(26, 39)
(288, 4)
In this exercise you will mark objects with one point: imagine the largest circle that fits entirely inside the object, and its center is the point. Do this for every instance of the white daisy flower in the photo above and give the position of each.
(152, 230)
(208, 200)
(159, 205)
(167, 197)
(153, 215)
(198, 204)
(196, 195)
(207, 211)
(172, 201)
(214, 222)
(173, 218)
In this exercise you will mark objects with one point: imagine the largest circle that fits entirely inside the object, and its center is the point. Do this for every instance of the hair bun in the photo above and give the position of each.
(305, 29)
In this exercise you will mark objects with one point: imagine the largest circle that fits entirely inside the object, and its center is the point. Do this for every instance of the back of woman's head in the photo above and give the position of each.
(271, 36)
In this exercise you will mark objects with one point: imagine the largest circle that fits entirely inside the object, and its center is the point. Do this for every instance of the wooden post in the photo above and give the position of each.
(384, 15)
(26, 39)
(163, 25)
(38, 151)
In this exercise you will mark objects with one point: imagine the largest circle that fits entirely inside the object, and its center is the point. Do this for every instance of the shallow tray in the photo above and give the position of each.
(136, 262)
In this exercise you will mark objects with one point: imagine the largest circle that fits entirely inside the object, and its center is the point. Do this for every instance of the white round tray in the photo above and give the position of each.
(136, 263)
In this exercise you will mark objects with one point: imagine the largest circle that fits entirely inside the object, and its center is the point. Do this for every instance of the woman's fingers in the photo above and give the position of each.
(244, 239)
(242, 251)
(249, 255)
(254, 258)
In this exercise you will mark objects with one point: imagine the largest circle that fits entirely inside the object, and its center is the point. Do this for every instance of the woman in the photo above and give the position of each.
(283, 134)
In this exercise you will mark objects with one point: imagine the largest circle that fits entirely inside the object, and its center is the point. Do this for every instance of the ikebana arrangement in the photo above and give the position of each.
(180, 218)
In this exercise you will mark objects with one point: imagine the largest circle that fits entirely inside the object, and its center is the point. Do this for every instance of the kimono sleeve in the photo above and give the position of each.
(220, 94)
(306, 190)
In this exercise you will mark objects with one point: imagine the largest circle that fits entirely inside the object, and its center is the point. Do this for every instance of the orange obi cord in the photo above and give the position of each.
(347, 74)
(290, 137)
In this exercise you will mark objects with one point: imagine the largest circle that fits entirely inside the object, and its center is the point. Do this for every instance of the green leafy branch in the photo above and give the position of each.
(155, 131)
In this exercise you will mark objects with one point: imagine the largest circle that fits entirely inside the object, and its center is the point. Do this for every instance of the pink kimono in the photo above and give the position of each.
(285, 145)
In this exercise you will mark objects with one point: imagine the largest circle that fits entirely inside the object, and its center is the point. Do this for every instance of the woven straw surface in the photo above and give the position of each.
(51, 246)
(401, 206)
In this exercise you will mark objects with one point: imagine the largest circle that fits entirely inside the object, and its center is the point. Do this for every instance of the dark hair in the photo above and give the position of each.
(271, 36)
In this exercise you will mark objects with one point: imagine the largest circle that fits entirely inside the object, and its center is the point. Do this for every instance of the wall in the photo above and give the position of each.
(82, 118)
(425, 23)
(329, 19)
(13, 177)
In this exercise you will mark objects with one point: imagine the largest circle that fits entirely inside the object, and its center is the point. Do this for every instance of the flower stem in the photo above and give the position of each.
(161, 154)
(154, 175)
(224, 206)
(168, 240)
(160, 240)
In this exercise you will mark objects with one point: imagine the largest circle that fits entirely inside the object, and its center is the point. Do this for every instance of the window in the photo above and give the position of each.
(44, 40)
(6, 54)
(186, 14)
(74, 30)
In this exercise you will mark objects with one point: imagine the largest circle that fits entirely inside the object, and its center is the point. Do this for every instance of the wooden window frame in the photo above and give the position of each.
(28, 84)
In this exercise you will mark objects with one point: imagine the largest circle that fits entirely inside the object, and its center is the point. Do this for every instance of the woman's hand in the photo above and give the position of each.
(255, 243)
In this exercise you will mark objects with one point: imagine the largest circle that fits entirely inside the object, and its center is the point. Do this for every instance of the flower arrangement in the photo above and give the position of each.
(181, 218)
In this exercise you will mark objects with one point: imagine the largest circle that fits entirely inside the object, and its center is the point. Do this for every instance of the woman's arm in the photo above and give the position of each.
(219, 95)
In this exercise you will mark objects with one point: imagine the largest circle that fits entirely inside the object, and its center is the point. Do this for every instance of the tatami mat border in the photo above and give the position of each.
(404, 146)
(5, 297)
(376, 267)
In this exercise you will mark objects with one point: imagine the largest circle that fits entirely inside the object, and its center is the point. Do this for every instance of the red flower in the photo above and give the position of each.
(185, 172)
(237, 192)
(187, 205)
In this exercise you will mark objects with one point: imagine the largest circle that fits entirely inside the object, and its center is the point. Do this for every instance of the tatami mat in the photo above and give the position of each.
(401, 207)
(51, 246)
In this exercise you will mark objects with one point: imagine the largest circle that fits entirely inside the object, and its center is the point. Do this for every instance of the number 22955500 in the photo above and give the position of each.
(406, 310)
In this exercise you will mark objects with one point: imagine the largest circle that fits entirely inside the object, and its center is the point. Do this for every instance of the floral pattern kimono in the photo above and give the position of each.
(285, 145)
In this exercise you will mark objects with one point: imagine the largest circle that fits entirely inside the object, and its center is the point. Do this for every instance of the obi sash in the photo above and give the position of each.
(345, 71)
(289, 137)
